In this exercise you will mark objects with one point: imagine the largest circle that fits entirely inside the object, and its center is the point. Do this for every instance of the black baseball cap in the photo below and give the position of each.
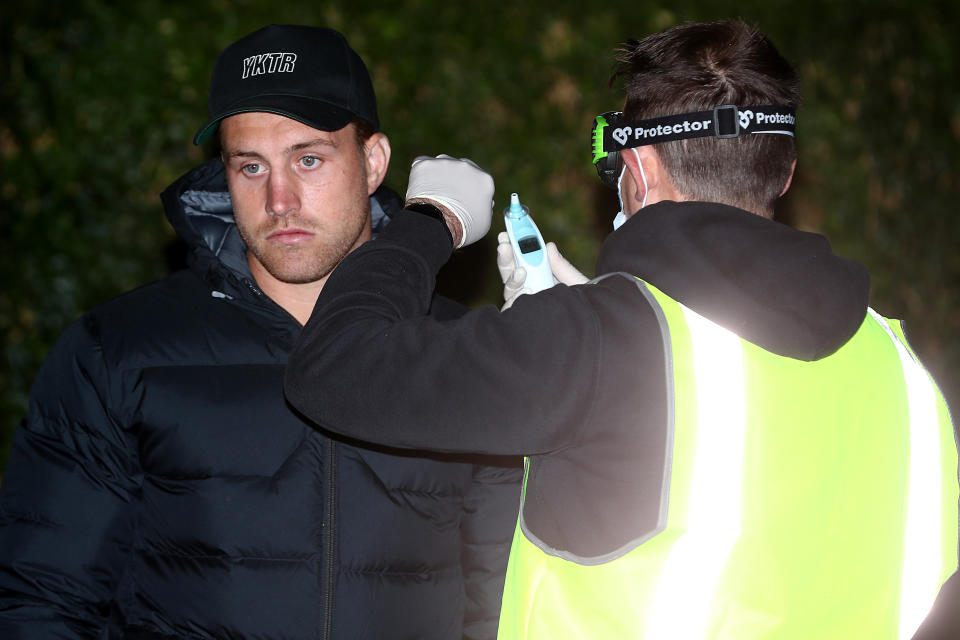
(309, 74)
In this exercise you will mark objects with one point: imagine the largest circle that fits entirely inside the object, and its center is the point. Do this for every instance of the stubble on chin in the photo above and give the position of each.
(302, 263)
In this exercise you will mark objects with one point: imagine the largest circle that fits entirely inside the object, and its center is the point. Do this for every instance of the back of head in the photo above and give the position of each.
(699, 66)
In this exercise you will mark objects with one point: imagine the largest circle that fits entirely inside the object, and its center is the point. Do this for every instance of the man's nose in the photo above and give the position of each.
(282, 197)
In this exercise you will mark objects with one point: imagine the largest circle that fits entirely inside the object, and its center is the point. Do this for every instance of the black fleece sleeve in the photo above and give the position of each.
(518, 382)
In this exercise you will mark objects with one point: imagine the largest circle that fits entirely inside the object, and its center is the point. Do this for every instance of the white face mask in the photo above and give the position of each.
(621, 217)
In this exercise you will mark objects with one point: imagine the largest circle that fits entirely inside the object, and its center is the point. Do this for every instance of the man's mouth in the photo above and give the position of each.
(290, 235)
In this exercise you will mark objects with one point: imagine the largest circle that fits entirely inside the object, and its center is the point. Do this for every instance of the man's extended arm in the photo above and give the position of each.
(470, 386)
(518, 382)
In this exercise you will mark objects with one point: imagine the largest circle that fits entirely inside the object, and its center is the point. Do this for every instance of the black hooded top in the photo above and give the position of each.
(572, 376)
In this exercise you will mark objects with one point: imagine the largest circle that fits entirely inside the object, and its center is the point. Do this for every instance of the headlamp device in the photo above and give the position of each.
(611, 134)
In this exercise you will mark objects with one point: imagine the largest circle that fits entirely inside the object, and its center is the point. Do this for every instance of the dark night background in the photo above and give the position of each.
(99, 102)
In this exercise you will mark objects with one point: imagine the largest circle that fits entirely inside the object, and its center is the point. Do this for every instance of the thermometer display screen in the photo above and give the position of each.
(528, 244)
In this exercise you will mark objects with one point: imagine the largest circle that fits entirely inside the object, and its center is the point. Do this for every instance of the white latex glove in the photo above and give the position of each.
(458, 187)
(511, 275)
(514, 277)
(563, 271)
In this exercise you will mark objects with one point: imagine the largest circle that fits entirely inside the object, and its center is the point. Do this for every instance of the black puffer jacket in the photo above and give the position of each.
(160, 486)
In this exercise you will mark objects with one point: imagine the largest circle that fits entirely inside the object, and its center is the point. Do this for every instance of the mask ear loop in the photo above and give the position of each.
(621, 217)
(643, 176)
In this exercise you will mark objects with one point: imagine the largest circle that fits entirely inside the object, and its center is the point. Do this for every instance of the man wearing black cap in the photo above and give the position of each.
(161, 487)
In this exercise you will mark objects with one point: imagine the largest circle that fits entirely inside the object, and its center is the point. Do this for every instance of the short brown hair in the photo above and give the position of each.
(363, 130)
(699, 66)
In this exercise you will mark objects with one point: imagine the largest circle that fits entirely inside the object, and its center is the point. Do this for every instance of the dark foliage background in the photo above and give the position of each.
(99, 102)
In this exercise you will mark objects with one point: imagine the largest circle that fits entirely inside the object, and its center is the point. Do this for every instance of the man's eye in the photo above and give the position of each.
(251, 169)
(310, 161)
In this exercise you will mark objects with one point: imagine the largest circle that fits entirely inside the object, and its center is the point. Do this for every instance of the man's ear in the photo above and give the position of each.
(793, 167)
(376, 152)
(652, 171)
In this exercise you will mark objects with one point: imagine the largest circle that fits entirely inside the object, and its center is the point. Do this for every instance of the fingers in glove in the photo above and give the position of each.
(505, 262)
(563, 271)
(515, 282)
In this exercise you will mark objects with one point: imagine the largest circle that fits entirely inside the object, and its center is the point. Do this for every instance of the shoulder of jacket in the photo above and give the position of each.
(171, 311)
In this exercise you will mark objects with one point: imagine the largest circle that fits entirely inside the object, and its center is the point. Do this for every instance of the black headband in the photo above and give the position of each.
(611, 134)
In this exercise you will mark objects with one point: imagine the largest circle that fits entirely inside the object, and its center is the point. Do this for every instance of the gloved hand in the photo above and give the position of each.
(563, 271)
(514, 277)
(458, 187)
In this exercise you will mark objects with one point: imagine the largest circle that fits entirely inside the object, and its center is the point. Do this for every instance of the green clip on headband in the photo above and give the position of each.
(611, 134)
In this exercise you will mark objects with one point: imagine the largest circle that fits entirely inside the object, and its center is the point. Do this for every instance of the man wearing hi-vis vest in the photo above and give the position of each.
(722, 439)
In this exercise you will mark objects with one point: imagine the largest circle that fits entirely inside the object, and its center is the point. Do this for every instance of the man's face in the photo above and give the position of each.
(300, 195)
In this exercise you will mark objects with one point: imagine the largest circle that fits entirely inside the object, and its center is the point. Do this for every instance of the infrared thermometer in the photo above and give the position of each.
(529, 250)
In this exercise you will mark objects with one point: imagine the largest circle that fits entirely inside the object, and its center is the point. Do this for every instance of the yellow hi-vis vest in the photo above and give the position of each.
(802, 500)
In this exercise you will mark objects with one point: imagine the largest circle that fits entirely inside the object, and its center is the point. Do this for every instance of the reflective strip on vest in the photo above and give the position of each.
(693, 565)
(921, 562)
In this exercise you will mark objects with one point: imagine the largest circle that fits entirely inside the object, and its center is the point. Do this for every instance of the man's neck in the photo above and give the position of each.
(296, 299)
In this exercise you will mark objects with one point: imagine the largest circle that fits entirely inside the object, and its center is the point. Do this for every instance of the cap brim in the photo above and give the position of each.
(313, 113)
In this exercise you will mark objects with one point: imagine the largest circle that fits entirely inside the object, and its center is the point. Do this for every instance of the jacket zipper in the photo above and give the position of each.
(329, 544)
(263, 298)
